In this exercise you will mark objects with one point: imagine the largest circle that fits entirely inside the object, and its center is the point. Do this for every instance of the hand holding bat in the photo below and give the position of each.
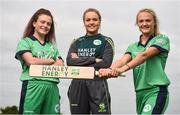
(110, 73)
(70, 72)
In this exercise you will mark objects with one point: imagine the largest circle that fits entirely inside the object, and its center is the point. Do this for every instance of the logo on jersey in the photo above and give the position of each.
(57, 109)
(97, 42)
(147, 108)
(46, 54)
(102, 107)
(162, 42)
(86, 52)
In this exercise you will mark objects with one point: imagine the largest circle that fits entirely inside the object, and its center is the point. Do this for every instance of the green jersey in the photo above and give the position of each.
(31, 44)
(151, 73)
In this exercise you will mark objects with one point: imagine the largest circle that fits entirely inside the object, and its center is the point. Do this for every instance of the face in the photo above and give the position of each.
(43, 25)
(146, 23)
(92, 23)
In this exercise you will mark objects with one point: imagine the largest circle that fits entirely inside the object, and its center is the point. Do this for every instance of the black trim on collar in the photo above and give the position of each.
(139, 43)
(93, 36)
(32, 37)
(35, 39)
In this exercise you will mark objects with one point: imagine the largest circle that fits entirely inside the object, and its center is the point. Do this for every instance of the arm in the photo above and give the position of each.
(139, 59)
(122, 61)
(160, 45)
(125, 63)
(109, 72)
(58, 59)
(59, 62)
(30, 60)
(72, 58)
(107, 58)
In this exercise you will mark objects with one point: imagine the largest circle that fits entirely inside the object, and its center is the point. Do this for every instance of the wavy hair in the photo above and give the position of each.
(29, 30)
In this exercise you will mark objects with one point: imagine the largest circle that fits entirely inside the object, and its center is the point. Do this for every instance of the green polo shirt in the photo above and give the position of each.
(151, 73)
(31, 44)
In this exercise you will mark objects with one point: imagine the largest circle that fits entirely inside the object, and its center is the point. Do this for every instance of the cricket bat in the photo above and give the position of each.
(65, 72)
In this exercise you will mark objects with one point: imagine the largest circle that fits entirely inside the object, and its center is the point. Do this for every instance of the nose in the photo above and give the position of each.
(144, 23)
(91, 22)
(45, 24)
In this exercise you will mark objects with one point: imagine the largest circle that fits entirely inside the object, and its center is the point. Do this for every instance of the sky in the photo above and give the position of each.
(118, 22)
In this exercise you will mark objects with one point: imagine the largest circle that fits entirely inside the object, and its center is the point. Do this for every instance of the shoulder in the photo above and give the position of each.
(77, 40)
(108, 39)
(133, 44)
(162, 36)
(163, 39)
(24, 40)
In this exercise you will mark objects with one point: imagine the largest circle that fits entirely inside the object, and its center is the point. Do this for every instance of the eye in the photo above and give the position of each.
(148, 20)
(42, 21)
(95, 19)
(88, 19)
(49, 24)
(140, 21)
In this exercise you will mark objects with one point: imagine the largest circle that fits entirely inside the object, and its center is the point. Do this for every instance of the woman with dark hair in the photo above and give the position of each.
(37, 47)
(94, 50)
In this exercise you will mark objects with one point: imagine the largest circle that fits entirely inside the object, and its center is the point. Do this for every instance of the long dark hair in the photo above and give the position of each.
(29, 30)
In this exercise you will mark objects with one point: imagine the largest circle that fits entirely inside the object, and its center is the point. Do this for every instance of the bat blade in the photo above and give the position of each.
(65, 72)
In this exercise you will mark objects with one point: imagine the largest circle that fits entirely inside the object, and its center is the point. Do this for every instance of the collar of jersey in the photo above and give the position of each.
(93, 36)
(139, 43)
(35, 39)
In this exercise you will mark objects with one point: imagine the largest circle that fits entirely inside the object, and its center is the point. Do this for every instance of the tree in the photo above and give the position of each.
(9, 110)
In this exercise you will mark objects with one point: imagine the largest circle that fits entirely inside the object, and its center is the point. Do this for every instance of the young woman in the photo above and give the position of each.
(39, 95)
(94, 50)
(147, 58)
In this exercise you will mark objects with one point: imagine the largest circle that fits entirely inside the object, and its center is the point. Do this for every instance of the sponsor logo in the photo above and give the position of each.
(161, 42)
(147, 108)
(86, 52)
(57, 108)
(97, 42)
(102, 107)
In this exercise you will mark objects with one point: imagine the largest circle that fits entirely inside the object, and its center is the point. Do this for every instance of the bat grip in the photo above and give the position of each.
(97, 74)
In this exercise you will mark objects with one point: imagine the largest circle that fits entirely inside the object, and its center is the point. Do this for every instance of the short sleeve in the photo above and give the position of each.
(162, 43)
(22, 47)
(129, 50)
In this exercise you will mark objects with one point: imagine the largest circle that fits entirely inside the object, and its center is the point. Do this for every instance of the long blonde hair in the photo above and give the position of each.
(156, 26)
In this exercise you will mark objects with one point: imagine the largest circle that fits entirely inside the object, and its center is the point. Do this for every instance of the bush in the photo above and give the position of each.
(9, 110)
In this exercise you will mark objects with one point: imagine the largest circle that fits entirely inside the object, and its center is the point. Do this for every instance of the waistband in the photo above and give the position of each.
(41, 82)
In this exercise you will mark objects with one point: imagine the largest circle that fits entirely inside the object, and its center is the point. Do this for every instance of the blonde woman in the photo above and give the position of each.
(147, 57)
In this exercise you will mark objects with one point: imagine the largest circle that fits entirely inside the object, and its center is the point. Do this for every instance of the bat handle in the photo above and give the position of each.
(122, 75)
(96, 73)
